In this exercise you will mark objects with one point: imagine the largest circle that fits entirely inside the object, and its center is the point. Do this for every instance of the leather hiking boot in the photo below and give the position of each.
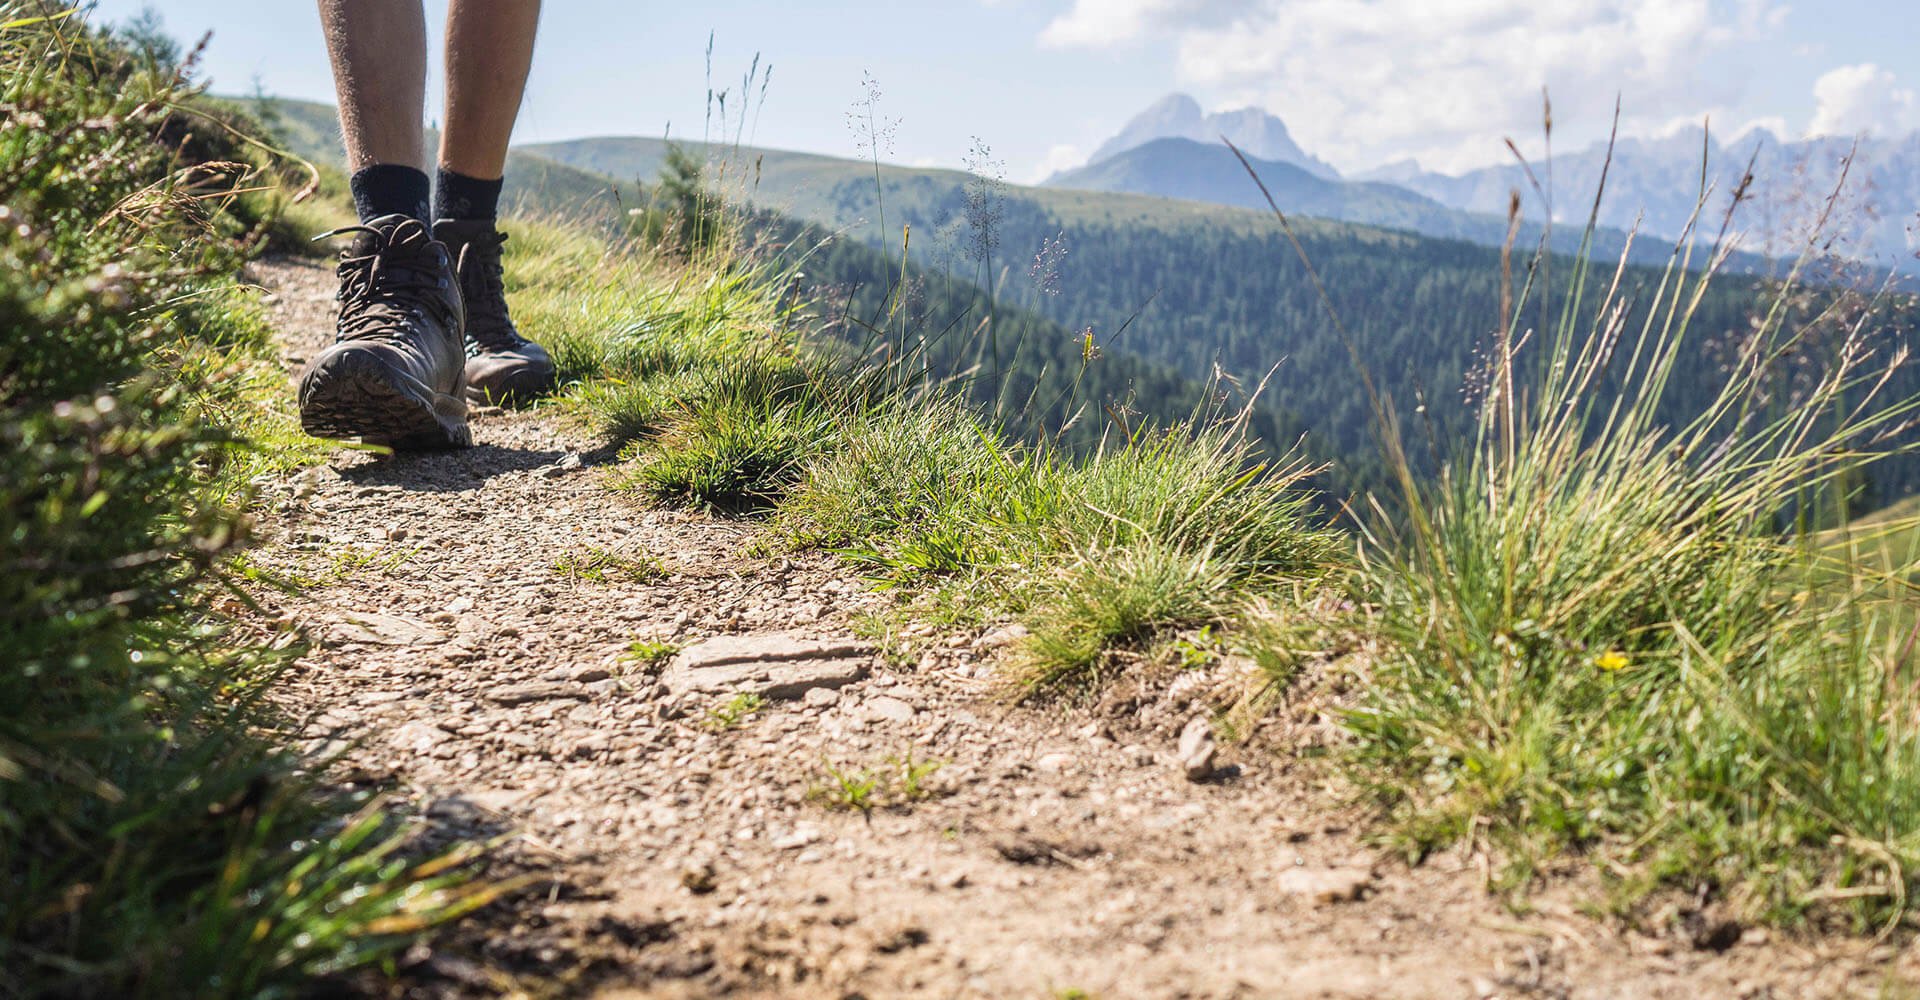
(503, 368)
(395, 374)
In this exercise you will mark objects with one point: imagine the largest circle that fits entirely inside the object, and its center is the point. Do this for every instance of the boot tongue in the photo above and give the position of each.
(410, 234)
(389, 232)
(464, 237)
(453, 231)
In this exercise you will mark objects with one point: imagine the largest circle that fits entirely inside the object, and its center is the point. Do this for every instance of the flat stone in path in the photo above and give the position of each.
(520, 694)
(385, 630)
(1326, 885)
(773, 666)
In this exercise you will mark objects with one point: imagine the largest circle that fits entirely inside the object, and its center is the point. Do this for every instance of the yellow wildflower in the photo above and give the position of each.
(1611, 660)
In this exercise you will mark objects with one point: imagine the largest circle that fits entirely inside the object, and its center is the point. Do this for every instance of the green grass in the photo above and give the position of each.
(693, 356)
(911, 777)
(1165, 530)
(622, 313)
(737, 440)
(846, 788)
(153, 840)
(353, 560)
(733, 712)
(606, 566)
(1112, 599)
(649, 652)
(896, 782)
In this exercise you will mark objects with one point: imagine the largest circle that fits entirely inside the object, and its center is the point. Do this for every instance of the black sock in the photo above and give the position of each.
(470, 199)
(389, 189)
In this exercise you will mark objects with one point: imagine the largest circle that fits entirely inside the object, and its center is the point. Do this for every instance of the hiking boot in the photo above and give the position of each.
(503, 368)
(395, 373)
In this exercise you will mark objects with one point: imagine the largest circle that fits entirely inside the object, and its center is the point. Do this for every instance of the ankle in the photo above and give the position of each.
(467, 199)
(389, 189)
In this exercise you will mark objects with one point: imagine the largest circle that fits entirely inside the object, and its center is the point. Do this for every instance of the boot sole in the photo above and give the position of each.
(353, 395)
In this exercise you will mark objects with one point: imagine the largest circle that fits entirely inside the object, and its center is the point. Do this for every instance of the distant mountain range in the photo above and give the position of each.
(1173, 150)
(1657, 182)
(1209, 172)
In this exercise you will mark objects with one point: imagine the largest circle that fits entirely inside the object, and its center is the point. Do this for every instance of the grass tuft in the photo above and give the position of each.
(1111, 599)
(739, 440)
(1170, 529)
(1607, 630)
(605, 566)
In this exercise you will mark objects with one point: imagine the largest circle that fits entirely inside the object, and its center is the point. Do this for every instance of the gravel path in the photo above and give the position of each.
(472, 615)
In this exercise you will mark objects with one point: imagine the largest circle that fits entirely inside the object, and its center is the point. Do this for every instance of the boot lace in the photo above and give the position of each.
(388, 291)
(483, 283)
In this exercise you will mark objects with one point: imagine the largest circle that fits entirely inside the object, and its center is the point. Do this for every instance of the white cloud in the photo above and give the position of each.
(1773, 125)
(1862, 98)
(1111, 22)
(1727, 124)
(1363, 81)
(1064, 156)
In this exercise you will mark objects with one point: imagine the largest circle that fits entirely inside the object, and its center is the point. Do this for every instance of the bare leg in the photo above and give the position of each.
(396, 373)
(379, 52)
(489, 47)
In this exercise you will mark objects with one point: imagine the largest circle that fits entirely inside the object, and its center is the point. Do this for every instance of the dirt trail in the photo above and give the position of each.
(681, 853)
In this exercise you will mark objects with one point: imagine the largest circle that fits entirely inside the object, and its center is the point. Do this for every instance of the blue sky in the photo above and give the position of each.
(1360, 82)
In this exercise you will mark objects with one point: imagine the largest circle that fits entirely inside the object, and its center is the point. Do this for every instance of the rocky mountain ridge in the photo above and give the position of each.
(1653, 184)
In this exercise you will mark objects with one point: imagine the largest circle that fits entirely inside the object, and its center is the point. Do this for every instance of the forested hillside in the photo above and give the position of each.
(1170, 293)
(1202, 288)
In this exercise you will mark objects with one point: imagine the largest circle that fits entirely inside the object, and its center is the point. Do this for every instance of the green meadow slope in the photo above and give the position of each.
(1206, 288)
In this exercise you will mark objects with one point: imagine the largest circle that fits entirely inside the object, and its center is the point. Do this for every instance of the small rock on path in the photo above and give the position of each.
(775, 666)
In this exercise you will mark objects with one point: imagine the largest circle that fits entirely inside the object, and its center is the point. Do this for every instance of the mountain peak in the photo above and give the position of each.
(1178, 116)
(1173, 108)
(1398, 172)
